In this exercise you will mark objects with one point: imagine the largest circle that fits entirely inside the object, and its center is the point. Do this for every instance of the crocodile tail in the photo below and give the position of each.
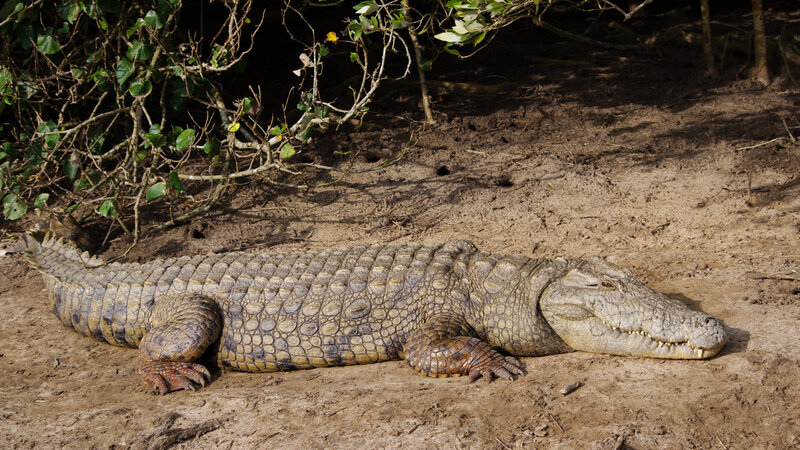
(55, 256)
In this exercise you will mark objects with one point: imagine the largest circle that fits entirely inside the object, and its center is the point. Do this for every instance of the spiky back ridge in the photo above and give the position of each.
(57, 257)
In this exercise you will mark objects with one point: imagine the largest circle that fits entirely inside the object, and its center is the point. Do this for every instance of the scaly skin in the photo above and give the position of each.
(448, 309)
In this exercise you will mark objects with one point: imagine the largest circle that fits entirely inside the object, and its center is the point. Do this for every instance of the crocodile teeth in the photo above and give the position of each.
(700, 352)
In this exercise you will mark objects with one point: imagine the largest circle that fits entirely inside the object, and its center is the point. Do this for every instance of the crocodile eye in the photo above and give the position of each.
(603, 284)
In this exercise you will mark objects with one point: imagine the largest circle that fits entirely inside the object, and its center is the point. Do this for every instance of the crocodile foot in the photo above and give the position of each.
(488, 363)
(168, 376)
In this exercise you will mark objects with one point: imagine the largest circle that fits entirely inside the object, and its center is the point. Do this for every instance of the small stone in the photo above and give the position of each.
(570, 388)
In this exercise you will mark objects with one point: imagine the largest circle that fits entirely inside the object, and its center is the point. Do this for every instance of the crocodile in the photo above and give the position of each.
(447, 309)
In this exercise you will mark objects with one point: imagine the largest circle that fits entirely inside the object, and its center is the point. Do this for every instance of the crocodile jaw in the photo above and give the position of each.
(593, 335)
(597, 307)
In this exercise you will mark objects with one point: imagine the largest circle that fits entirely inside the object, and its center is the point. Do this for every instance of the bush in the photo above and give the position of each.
(106, 103)
(111, 105)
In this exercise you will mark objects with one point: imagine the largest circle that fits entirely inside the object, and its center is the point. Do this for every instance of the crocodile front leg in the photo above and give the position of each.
(181, 329)
(446, 346)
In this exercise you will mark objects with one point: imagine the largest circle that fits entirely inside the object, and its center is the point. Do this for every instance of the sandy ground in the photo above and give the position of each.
(632, 156)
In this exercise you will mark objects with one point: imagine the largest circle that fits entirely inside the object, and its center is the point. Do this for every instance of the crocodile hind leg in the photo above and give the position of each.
(446, 346)
(180, 330)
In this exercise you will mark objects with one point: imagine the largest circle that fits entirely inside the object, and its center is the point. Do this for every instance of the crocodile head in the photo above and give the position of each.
(600, 308)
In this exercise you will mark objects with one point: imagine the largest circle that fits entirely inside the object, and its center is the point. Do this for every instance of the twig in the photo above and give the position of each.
(412, 33)
(583, 39)
(502, 444)
(556, 422)
(760, 43)
(791, 136)
(750, 147)
(707, 50)
(630, 13)
(788, 276)
(22, 11)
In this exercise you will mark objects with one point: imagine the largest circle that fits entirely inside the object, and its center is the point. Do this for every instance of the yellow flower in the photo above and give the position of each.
(331, 37)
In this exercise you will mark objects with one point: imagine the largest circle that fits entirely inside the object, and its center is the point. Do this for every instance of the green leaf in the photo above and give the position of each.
(246, 105)
(139, 22)
(141, 88)
(9, 152)
(172, 136)
(13, 207)
(287, 151)
(306, 134)
(323, 51)
(212, 147)
(51, 140)
(98, 74)
(139, 51)
(184, 139)
(124, 70)
(449, 36)
(277, 130)
(353, 57)
(156, 140)
(70, 169)
(153, 20)
(303, 107)
(41, 200)
(6, 81)
(97, 142)
(321, 111)
(108, 208)
(175, 181)
(139, 156)
(447, 48)
(366, 8)
(156, 191)
(105, 85)
(47, 45)
(179, 95)
(165, 8)
(234, 127)
(91, 179)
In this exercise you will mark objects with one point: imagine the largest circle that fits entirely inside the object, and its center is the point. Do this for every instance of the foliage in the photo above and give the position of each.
(471, 21)
(111, 105)
(107, 103)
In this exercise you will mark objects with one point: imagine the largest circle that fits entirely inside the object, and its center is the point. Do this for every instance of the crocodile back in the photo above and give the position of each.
(333, 307)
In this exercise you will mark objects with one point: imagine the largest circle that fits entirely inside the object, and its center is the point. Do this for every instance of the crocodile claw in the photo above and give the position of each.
(168, 376)
(506, 367)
